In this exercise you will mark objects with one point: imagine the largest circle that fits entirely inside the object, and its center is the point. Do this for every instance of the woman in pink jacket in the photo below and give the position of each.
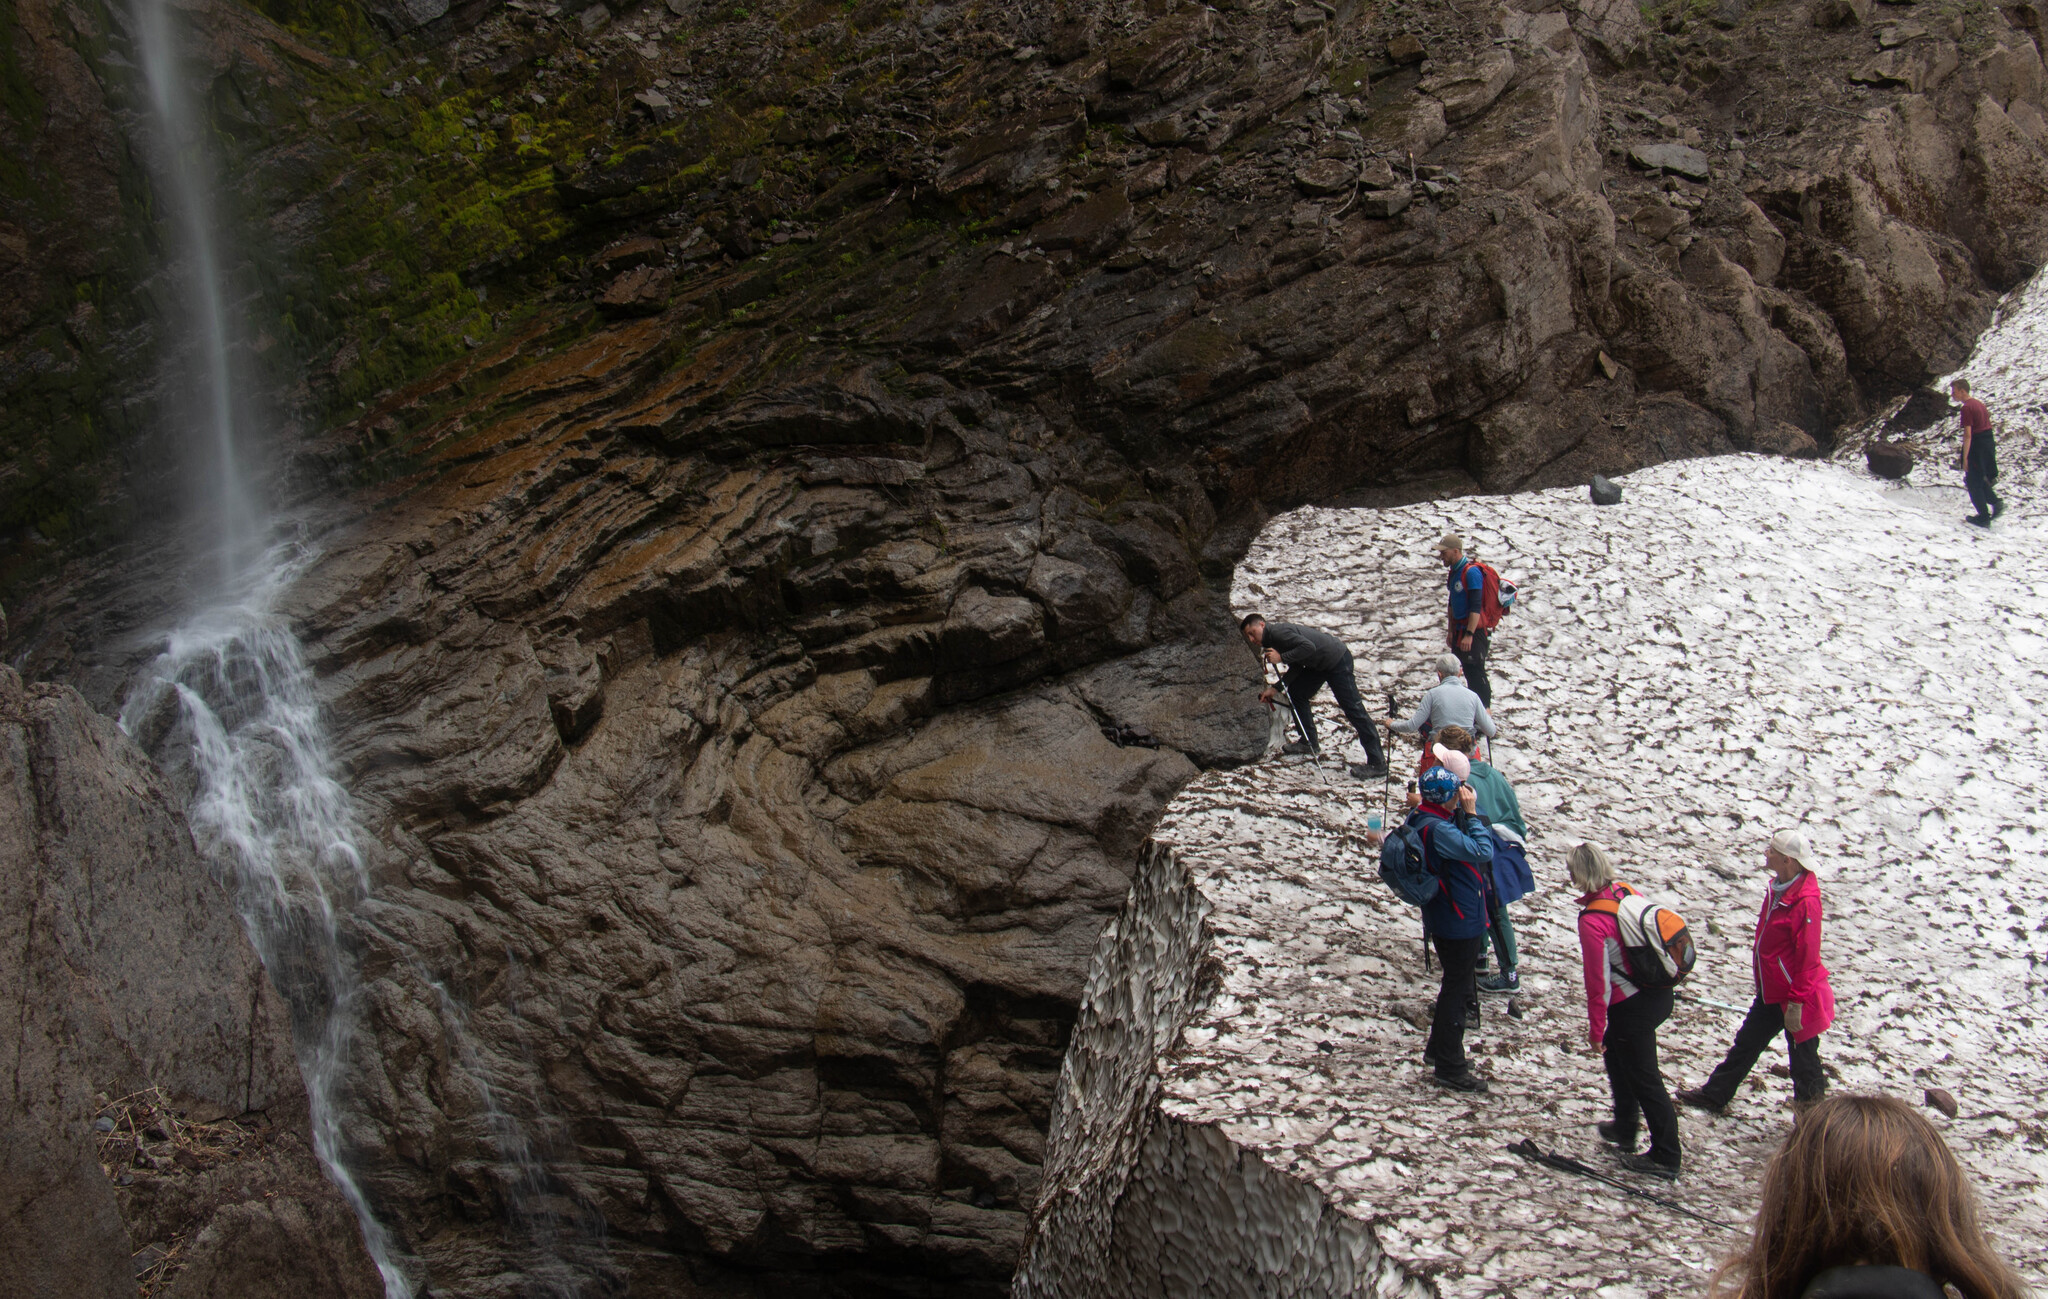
(1621, 1022)
(1792, 993)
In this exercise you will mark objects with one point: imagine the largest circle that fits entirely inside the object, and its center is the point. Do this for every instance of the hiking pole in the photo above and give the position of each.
(1717, 1005)
(1308, 737)
(1272, 675)
(1566, 1164)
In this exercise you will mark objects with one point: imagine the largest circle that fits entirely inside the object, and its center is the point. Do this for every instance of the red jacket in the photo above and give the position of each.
(1786, 960)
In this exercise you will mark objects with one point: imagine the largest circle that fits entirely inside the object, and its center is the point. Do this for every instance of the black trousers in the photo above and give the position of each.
(1979, 486)
(1302, 685)
(1633, 1076)
(1460, 959)
(1474, 662)
(1764, 1022)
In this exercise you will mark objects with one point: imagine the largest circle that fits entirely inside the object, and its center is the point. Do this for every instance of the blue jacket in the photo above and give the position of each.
(1467, 583)
(1460, 852)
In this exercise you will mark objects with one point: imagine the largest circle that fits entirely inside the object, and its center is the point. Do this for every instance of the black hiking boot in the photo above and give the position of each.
(1610, 1132)
(1981, 520)
(1646, 1165)
(1697, 1098)
(1369, 770)
(1295, 748)
(1461, 1082)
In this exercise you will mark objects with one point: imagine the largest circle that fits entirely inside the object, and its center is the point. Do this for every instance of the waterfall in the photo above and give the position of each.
(231, 691)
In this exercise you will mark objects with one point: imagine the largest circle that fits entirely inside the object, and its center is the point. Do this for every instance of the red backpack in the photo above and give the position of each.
(1496, 596)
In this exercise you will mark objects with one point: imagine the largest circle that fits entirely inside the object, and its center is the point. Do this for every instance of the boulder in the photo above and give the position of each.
(1406, 48)
(1469, 89)
(1937, 1098)
(1604, 491)
(1923, 409)
(1325, 176)
(642, 291)
(1893, 460)
(1678, 159)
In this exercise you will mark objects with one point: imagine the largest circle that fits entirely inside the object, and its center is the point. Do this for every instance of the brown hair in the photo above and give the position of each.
(1457, 739)
(1865, 1179)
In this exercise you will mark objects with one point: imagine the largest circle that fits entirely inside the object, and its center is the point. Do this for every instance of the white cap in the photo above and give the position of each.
(1791, 843)
(1458, 764)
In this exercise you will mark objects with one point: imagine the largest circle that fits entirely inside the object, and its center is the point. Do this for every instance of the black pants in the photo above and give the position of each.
(1978, 484)
(1474, 662)
(1460, 959)
(1303, 683)
(1633, 1076)
(1764, 1022)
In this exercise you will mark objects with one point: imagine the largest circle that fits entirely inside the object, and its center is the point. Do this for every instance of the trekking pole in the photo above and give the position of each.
(1271, 673)
(1387, 784)
(1566, 1164)
(1717, 1005)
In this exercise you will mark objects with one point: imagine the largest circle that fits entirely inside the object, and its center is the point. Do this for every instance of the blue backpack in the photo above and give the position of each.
(1404, 864)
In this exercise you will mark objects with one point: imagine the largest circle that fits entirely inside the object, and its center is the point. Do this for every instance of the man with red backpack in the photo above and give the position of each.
(1476, 608)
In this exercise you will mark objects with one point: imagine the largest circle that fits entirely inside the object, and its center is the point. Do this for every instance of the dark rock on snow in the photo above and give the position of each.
(1604, 492)
(1893, 460)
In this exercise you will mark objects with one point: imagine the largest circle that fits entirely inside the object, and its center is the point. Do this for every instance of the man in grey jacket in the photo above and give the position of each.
(1314, 659)
(1448, 703)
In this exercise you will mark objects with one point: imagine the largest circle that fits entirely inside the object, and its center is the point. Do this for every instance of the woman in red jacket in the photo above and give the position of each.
(1792, 993)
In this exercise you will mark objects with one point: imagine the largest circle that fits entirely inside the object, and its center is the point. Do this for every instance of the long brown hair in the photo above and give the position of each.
(1865, 1179)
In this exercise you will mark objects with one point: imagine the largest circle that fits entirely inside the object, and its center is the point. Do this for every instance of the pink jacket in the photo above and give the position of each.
(1786, 960)
(1600, 952)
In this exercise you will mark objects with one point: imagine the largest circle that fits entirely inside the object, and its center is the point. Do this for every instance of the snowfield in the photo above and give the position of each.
(1743, 643)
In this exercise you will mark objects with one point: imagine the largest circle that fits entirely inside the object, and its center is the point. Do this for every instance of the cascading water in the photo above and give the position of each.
(233, 687)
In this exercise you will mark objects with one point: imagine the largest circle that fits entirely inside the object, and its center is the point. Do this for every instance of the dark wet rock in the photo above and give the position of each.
(643, 291)
(1939, 1099)
(1605, 492)
(1893, 460)
(1923, 409)
(1325, 176)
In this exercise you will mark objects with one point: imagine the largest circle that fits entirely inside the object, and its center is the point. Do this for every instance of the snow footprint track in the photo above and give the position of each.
(1743, 643)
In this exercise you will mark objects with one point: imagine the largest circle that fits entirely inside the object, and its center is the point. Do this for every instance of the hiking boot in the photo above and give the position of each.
(1697, 1098)
(1981, 520)
(1369, 770)
(1461, 1082)
(1646, 1165)
(1610, 1132)
(1295, 748)
(1504, 984)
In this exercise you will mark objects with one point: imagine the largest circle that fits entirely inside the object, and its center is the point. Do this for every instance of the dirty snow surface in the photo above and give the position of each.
(1744, 643)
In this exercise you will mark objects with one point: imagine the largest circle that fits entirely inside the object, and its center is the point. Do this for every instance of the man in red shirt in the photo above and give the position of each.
(1980, 455)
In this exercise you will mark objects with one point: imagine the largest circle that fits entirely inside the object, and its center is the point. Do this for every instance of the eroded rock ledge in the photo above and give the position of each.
(1137, 1203)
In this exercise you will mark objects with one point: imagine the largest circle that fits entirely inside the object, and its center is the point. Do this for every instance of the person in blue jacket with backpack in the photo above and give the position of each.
(1458, 850)
(1468, 633)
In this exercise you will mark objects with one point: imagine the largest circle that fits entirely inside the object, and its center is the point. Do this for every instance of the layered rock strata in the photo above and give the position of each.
(158, 1126)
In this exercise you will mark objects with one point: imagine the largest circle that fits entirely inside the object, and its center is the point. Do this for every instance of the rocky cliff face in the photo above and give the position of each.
(763, 450)
(157, 1126)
